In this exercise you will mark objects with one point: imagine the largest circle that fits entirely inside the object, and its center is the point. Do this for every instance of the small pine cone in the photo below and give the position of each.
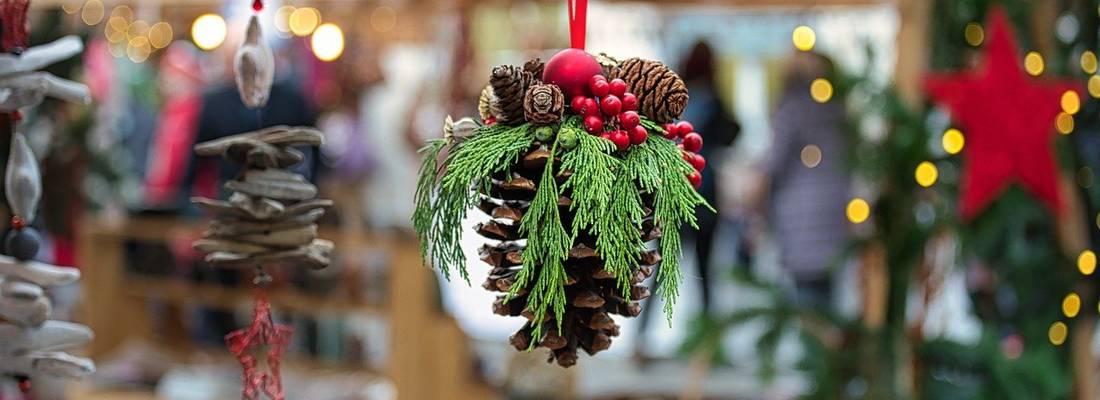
(544, 104)
(662, 95)
(534, 67)
(485, 103)
(508, 87)
(608, 63)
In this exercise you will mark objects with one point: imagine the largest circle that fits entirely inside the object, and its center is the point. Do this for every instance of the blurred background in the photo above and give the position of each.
(837, 265)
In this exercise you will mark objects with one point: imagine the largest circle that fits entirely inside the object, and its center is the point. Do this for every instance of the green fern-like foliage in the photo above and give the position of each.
(438, 219)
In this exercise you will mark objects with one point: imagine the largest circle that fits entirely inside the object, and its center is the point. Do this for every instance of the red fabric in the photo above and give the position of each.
(578, 22)
(1008, 119)
(172, 148)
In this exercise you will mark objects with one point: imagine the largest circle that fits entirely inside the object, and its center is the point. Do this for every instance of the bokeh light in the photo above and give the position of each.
(282, 18)
(1064, 123)
(974, 34)
(1034, 64)
(137, 29)
(810, 156)
(92, 13)
(327, 42)
(160, 35)
(953, 141)
(70, 6)
(1088, 62)
(138, 49)
(1071, 305)
(208, 31)
(1094, 86)
(821, 90)
(1086, 262)
(1084, 177)
(304, 20)
(926, 174)
(1057, 333)
(1071, 102)
(858, 210)
(804, 38)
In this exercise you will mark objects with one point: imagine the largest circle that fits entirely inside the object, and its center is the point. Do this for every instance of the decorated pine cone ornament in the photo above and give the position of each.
(580, 208)
(662, 95)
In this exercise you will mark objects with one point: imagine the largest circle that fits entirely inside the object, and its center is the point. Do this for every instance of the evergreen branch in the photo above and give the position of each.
(470, 164)
(548, 246)
(425, 189)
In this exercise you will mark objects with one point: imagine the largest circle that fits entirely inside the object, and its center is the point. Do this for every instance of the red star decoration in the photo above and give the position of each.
(1008, 118)
(263, 333)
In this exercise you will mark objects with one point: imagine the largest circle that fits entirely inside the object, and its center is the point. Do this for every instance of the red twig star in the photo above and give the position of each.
(268, 338)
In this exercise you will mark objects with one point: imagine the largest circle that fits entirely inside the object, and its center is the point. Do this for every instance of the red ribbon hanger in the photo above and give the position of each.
(578, 22)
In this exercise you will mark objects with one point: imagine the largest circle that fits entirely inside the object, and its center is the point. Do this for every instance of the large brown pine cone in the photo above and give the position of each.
(534, 67)
(592, 292)
(510, 86)
(544, 104)
(662, 95)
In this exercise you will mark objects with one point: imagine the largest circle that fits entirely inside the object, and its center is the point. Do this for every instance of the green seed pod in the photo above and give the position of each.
(567, 139)
(544, 133)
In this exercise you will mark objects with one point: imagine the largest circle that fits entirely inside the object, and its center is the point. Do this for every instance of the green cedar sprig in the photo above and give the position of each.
(470, 163)
(548, 246)
(425, 191)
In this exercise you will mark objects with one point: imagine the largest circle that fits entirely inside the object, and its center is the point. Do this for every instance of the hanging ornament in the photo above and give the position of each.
(581, 205)
(254, 66)
(262, 339)
(1009, 118)
(31, 345)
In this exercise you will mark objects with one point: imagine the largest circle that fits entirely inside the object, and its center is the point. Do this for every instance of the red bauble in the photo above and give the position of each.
(571, 70)
(629, 120)
(683, 128)
(591, 107)
(630, 102)
(699, 162)
(618, 87)
(693, 142)
(577, 104)
(611, 105)
(593, 124)
(621, 140)
(638, 135)
(696, 179)
(599, 86)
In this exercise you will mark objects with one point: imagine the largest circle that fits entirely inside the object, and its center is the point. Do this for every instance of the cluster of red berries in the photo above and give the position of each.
(611, 112)
(690, 143)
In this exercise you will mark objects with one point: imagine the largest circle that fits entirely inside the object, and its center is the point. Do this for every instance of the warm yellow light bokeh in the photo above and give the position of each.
(1057, 333)
(1071, 305)
(974, 34)
(138, 49)
(304, 20)
(1086, 262)
(1064, 123)
(926, 174)
(92, 12)
(953, 141)
(804, 38)
(811, 156)
(1094, 86)
(858, 210)
(160, 35)
(1071, 102)
(821, 90)
(1088, 62)
(327, 42)
(282, 18)
(208, 31)
(1034, 64)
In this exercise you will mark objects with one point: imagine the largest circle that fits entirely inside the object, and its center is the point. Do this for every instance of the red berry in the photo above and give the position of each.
(670, 131)
(687, 155)
(257, 5)
(693, 142)
(24, 385)
(577, 104)
(630, 102)
(599, 86)
(638, 135)
(698, 162)
(629, 120)
(591, 107)
(696, 179)
(621, 140)
(680, 146)
(683, 128)
(618, 87)
(606, 135)
(593, 124)
(18, 222)
(491, 120)
(611, 105)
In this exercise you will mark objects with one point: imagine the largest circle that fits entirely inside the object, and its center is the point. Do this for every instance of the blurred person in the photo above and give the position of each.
(712, 119)
(180, 83)
(806, 199)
